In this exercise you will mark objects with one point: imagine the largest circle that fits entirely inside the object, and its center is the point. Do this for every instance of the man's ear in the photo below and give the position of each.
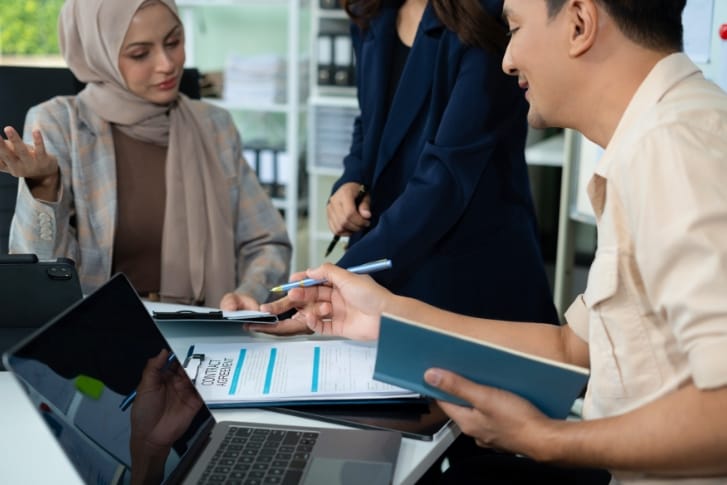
(582, 18)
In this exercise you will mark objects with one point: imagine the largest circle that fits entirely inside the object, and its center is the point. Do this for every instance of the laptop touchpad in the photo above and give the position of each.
(333, 471)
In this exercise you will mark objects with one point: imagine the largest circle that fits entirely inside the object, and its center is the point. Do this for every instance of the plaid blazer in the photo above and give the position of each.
(81, 224)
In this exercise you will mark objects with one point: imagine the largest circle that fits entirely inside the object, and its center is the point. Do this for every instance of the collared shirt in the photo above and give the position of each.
(654, 312)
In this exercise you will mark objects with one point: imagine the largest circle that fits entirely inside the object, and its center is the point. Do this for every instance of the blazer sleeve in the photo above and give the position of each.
(450, 166)
(263, 249)
(45, 228)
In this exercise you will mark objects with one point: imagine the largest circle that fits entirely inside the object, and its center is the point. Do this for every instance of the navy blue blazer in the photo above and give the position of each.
(445, 168)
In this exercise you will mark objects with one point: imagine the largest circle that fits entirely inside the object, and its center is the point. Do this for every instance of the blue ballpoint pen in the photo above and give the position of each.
(365, 268)
(130, 398)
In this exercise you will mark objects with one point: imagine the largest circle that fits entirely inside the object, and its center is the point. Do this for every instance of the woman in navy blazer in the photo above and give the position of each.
(440, 152)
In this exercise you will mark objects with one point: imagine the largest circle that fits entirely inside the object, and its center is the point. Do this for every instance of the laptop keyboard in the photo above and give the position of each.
(260, 456)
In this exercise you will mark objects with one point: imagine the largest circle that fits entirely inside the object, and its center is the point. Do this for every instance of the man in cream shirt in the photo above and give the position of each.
(652, 323)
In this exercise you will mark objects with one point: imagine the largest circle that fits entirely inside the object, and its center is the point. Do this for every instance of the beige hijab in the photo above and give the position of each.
(198, 258)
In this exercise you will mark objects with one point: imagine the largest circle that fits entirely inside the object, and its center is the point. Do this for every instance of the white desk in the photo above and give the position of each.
(29, 453)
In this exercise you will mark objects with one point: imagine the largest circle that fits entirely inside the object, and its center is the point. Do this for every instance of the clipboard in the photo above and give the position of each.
(173, 313)
(213, 315)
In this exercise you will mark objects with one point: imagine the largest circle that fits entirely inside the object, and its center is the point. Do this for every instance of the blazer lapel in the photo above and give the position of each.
(414, 86)
(376, 55)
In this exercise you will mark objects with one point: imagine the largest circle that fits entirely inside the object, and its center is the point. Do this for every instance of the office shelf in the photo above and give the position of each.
(289, 16)
(233, 3)
(345, 99)
(335, 14)
(253, 106)
(547, 152)
(331, 111)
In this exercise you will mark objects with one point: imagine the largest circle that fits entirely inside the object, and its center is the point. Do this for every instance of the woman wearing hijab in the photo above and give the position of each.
(131, 175)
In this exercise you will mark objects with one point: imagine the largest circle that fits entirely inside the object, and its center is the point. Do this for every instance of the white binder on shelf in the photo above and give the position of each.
(325, 59)
(342, 60)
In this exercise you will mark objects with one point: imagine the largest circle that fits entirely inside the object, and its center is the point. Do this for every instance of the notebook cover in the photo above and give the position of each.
(407, 349)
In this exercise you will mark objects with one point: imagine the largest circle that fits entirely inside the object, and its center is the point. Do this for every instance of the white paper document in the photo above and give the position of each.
(285, 372)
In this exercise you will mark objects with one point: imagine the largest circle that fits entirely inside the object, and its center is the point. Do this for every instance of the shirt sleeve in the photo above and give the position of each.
(576, 316)
(676, 199)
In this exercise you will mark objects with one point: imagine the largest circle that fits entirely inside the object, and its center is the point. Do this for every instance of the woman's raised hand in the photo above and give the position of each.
(32, 162)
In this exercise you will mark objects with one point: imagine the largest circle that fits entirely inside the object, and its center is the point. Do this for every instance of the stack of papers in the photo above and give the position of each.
(260, 79)
(254, 78)
(334, 126)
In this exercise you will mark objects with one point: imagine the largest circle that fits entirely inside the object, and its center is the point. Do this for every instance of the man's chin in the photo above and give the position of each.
(536, 121)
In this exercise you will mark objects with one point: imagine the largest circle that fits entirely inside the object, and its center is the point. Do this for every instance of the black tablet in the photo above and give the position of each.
(418, 419)
(32, 292)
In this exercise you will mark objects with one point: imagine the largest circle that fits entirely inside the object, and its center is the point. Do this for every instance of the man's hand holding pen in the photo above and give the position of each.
(164, 405)
(165, 402)
(349, 211)
(306, 312)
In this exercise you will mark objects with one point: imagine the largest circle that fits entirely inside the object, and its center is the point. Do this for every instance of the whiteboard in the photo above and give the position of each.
(702, 43)
(697, 39)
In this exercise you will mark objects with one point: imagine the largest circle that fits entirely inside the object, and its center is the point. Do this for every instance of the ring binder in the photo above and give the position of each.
(342, 60)
(325, 59)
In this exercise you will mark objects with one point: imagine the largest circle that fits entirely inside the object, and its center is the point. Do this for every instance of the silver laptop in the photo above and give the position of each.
(123, 409)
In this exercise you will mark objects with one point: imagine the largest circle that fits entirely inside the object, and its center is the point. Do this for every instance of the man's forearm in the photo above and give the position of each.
(681, 434)
(544, 340)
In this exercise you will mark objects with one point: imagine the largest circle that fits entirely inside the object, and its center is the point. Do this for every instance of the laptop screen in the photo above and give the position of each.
(107, 385)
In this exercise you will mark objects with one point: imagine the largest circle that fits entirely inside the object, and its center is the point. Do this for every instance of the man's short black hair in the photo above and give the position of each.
(655, 24)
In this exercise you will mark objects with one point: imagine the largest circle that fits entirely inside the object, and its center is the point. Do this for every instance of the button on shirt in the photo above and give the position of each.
(654, 312)
(45, 226)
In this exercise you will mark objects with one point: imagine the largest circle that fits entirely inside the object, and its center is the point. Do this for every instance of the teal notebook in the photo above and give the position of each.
(407, 349)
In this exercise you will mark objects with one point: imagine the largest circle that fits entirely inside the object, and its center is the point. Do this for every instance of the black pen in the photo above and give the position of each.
(359, 198)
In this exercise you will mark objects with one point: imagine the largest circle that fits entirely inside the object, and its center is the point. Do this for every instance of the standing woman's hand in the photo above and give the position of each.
(38, 167)
(344, 217)
(232, 302)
